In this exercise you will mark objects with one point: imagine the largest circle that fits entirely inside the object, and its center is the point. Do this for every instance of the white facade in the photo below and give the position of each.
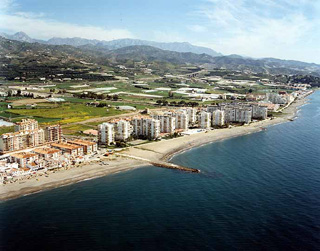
(205, 120)
(243, 115)
(182, 120)
(259, 112)
(122, 129)
(106, 134)
(167, 123)
(276, 98)
(26, 125)
(218, 118)
(146, 127)
(192, 115)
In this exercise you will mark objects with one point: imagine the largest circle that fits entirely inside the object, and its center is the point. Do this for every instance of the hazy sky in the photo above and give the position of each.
(287, 29)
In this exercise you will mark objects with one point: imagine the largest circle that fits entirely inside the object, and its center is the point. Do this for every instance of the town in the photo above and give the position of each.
(32, 150)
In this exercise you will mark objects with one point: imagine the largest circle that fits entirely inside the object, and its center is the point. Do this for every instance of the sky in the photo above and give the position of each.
(286, 29)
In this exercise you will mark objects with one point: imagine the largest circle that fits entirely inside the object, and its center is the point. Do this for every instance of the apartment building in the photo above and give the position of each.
(218, 118)
(89, 147)
(47, 153)
(20, 140)
(259, 112)
(23, 158)
(122, 130)
(204, 120)
(106, 134)
(213, 108)
(281, 99)
(53, 133)
(192, 115)
(182, 120)
(35, 138)
(146, 127)
(167, 123)
(72, 149)
(26, 125)
(243, 115)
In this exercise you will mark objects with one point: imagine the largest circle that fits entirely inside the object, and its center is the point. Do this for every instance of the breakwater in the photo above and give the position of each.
(174, 166)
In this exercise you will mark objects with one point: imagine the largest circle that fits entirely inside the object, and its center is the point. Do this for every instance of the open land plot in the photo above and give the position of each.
(68, 113)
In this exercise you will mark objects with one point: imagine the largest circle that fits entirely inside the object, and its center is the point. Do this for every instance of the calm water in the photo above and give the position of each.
(256, 192)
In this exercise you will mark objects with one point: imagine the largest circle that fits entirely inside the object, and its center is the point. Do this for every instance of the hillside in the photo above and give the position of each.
(18, 57)
(114, 44)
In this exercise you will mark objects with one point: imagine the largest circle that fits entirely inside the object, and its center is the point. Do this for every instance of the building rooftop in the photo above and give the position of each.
(66, 145)
(82, 142)
(46, 150)
(23, 155)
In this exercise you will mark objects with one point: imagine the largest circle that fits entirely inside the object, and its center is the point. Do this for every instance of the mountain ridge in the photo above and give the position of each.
(115, 44)
(99, 53)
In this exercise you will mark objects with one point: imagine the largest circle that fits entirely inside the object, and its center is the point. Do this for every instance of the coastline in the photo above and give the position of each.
(161, 151)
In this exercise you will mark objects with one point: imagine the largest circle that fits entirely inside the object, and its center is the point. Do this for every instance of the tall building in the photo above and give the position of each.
(212, 108)
(218, 118)
(259, 112)
(192, 115)
(243, 115)
(106, 134)
(35, 138)
(26, 125)
(20, 140)
(53, 133)
(122, 129)
(146, 127)
(204, 120)
(167, 123)
(182, 120)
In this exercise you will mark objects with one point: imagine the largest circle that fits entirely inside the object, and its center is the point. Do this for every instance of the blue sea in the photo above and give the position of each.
(255, 192)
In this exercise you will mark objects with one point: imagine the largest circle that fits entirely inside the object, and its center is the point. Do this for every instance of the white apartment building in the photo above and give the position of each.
(122, 130)
(259, 112)
(212, 108)
(20, 140)
(218, 118)
(182, 120)
(106, 134)
(230, 114)
(204, 120)
(146, 127)
(192, 115)
(26, 125)
(243, 115)
(167, 123)
(276, 98)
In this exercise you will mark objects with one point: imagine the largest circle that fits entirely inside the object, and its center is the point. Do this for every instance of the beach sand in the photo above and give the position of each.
(155, 152)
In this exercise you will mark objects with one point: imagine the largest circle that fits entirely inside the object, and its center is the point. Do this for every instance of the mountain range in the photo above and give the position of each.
(122, 50)
(114, 44)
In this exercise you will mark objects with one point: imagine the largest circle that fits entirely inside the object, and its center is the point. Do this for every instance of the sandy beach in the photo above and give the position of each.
(159, 151)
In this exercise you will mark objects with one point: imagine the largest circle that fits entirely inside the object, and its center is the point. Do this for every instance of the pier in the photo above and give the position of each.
(163, 164)
(173, 166)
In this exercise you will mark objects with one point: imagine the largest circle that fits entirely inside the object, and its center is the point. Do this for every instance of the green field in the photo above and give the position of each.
(66, 113)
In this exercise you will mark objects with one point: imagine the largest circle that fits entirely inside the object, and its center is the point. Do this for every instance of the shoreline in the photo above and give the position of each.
(162, 151)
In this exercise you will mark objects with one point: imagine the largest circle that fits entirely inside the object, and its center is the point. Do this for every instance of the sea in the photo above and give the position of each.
(255, 192)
